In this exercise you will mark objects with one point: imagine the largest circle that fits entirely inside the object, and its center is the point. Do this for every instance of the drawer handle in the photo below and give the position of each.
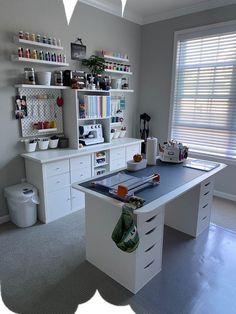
(206, 193)
(207, 183)
(150, 231)
(58, 182)
(205, 206)
(58, 168)
(148, 265)
(81, 175)
(204, 218)
(150, 219)
(149, 249)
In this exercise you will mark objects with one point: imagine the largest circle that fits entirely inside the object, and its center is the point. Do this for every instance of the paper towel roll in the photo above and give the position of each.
(151, 151)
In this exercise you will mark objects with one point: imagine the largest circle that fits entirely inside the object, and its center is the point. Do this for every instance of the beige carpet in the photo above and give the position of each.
(224, 213)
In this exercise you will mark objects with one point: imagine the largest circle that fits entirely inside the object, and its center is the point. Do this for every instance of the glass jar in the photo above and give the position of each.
(29, 76)
(58, 78)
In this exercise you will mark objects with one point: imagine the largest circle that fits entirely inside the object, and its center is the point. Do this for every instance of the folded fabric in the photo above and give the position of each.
(125, 234)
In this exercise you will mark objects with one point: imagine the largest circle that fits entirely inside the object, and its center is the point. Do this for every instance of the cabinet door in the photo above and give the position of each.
(117, 153)
(77, 199)
(117, 164)
(131, 151)
(58, 204)
(78, 163)
(81, 174)
(57, 167)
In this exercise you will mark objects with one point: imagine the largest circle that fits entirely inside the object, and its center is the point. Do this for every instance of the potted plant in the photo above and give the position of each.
(96, 65)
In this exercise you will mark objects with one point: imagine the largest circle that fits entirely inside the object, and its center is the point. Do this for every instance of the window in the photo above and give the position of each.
(204, 96)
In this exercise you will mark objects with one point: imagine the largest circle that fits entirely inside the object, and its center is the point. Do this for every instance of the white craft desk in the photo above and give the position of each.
(182, 201)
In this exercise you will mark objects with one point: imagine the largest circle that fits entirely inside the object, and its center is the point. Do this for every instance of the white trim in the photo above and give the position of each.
(4, 219)
(114, 9)
(141, 20)
(226, 196)
(202, 6)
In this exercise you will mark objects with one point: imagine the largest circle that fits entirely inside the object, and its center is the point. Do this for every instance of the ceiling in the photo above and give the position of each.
(148, 11)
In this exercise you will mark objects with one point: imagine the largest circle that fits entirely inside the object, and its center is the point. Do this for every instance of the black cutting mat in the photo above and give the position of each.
(172, 177)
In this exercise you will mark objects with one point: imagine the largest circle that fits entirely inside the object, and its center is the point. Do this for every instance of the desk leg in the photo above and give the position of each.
(131, 270)
(191, 212)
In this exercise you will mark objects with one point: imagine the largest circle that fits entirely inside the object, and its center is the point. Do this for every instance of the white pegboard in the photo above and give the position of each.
(40, 110)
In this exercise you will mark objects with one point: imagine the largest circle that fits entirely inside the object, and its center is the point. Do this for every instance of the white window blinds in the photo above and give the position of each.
(204, 99)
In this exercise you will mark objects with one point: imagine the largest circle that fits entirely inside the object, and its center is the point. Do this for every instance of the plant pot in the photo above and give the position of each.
(30, 147)
(43, 144)
(53, 143)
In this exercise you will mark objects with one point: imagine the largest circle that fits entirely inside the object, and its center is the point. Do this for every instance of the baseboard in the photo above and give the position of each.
(227, 196)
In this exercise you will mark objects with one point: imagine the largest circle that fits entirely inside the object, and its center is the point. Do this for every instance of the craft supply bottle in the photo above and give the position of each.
(27, 36)
(21, 35)
(32, 37)
(38, 38)
(20, 52)
(54, 41)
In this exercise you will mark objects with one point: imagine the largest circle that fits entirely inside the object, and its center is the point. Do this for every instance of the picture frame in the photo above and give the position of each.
(78, 51)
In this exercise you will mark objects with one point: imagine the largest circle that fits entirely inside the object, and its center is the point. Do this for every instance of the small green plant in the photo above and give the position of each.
(95, 64)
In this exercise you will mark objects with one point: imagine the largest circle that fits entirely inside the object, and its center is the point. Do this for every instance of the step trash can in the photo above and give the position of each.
(22, 200)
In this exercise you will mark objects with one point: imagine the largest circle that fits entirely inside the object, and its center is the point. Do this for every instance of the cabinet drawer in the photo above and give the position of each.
(59, 182)
(150, 222)
(151, 237)
(117, 153)
(81, 174)
(80, 162)
(117, 164)
(58, 204)
(207, 187)
(131, 151)
(77, 199)
(55, 168)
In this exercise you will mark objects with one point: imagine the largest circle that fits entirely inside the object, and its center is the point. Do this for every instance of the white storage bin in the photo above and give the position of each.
(43, 143)
(53, 143)
(44, 78)
(30, 147)
(22, 200)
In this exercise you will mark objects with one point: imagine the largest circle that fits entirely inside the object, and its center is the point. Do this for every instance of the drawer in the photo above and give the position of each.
(77, 199)
(151, 237)
(204, 213)
(117, 164)
(151, 221)
(117, 153)
(55, 168)
(131, 151)
(206, 200)
(56, 183)
(58, 204)
(81, 174)
(81, 162)
(206, 187)
(154, 252)
(203, 224)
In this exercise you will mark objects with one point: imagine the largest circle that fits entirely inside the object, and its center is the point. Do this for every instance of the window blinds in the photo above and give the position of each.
(204, 100)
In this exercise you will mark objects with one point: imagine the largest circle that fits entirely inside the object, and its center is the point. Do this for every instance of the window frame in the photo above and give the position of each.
(191, 33)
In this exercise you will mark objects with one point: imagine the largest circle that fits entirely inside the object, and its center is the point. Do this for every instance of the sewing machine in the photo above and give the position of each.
(91, 134)
(173, 152)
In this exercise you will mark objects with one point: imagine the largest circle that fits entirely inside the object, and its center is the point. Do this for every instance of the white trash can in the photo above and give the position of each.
(22, 200)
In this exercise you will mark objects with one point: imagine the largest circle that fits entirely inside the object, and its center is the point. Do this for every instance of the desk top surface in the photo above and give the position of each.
(173, 177)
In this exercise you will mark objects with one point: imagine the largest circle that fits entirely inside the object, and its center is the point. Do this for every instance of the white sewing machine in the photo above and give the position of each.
(91, 134)
(173, 151)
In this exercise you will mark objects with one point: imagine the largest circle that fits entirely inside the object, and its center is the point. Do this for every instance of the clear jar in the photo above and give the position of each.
(29, 76)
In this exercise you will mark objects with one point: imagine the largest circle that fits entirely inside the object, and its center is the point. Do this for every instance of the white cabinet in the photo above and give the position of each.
(58, 204)
(117, 158)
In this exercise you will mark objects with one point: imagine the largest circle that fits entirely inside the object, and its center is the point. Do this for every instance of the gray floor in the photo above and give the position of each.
(43, 270)
(224, 213)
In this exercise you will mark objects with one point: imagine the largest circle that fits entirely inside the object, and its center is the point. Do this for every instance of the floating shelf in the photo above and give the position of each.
(47, 130)
(118, 72)
(115, 58)
(97, 118)
(103, 164)
(121, 90)
(29, 60)
(35, 44)
(92, 90)
(41, 86)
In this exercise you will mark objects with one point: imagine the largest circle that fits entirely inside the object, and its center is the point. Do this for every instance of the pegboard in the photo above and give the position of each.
(41, 110)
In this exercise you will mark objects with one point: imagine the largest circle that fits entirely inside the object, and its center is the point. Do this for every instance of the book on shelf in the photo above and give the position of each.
(92, 106)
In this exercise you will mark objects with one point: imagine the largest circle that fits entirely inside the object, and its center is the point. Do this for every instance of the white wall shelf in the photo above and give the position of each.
(29, 60)
(41, 86)
(19, 41)
(121, 90)
(118, 72)
(96, 118)
(115, 58)
(96, 91)
(47, 130)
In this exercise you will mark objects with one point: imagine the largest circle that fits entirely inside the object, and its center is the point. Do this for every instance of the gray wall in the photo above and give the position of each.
(97, 29)
(156, 74)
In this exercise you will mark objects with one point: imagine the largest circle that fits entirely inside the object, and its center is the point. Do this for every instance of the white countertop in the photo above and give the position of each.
(51, 155)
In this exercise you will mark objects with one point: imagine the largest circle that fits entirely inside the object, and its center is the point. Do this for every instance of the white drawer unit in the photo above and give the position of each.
(117, 164)
(58, 204)
(57, 167)
(81, 174)
(117, 153)
(58, 182)
(80, 162)
(131, 150)
(77, 200)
